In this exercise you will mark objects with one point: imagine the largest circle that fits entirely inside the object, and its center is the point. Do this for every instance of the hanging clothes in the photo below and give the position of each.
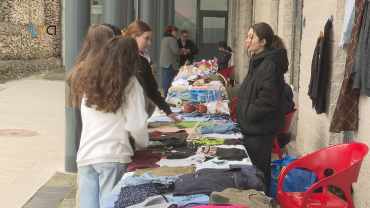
(350, 5)
(360, 67)
(319, 71)
(345, 116)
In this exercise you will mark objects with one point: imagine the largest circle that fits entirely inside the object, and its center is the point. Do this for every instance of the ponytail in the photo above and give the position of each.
(229, 49)
(277, 43)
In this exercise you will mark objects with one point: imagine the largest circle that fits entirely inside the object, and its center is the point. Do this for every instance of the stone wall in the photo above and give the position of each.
(16, 41)
(240, 21)
(18, 69)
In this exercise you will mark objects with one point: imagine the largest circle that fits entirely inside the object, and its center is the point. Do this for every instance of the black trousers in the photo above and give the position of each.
(259, 150)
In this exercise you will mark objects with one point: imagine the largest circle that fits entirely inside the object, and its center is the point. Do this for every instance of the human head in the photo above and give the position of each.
(173, 30)
(222, 45)
(105, 79)
(116, 30)
(96, 37)
(261, 36)
(184, 35)
(141, 32)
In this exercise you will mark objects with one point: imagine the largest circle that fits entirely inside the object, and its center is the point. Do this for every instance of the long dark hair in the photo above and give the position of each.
(105, 79)
(223, 44)
(96, 37)
(264, 31)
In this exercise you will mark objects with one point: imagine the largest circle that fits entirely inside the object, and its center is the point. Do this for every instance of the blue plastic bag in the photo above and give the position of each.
(297, 180)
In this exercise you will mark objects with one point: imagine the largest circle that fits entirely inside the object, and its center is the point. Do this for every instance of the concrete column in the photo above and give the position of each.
(77, 22)
(162, 23)
(114, 13)
(147, 10)
(130, 11)
(171, 12)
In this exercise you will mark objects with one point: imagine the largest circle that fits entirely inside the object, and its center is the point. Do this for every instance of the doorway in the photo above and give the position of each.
(212, 29)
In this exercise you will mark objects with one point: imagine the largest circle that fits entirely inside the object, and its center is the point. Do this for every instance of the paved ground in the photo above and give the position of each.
(35, 104)
(32, 144)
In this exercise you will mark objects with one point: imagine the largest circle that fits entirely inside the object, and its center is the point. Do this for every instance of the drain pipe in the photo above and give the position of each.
(295, 4)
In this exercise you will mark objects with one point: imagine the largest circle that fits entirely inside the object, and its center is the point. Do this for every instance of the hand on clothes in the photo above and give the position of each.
(173, 117)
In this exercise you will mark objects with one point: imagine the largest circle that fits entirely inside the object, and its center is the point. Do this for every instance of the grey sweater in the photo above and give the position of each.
(170, 53)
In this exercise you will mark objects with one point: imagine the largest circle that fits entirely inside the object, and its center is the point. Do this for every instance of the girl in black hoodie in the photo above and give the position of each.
(224, 57)
(260, 108)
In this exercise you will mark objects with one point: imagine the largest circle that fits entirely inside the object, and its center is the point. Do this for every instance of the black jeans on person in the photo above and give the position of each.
(259, 150)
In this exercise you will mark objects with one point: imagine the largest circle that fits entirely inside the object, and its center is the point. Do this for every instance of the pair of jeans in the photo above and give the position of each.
(148, 177)
(190, 200)
(169, 74)
(259, 150)
(97, 181)
(228, 128)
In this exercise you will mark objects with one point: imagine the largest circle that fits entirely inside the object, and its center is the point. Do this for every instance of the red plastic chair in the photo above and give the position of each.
(288, 123)
(233, 109)
(226, 73)
(345, 159)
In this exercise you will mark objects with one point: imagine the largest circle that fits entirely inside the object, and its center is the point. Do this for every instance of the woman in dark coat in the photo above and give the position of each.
(260, 108)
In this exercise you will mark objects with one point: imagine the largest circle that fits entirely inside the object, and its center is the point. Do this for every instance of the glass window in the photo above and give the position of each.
(186, 17)
(213, 29)
(215, 5)
(96, 12)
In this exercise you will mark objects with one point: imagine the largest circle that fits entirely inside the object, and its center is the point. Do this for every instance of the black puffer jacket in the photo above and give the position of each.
(223, 60)
(261, 98)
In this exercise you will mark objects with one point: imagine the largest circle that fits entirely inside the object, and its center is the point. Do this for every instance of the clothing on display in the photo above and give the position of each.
(223, 153)
(143, 160)
(229, 128)
(214, 163)
(167, 171)
(131, 195)
(192, 160)
(156, 202)
(208, 180)
(249, 198)
(345, 117)
(320, 71)
(191, 200)
(350, 5)
(191, 124)
(360, 71)
(161, 124)
(209, 142)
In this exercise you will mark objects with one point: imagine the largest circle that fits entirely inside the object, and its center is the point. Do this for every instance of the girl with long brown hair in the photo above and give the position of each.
(112, 106)
(96, 37)
(260, 108)
(142, 33)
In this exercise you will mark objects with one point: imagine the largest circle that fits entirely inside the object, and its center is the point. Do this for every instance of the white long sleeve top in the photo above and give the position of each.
(105, 135)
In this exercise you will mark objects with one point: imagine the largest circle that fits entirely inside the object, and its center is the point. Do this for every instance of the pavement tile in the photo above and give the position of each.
(57, 152)
(28, 182)
(49, 145)
(29, 150)
(27, 173)
(8, 156)
(58, 166)
(6, 181)
(12, 202)
(16, 164)
(20, 144)
(33, 157)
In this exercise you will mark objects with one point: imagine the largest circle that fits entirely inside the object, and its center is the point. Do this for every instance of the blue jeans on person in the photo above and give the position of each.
(97, 181)
(169, 74)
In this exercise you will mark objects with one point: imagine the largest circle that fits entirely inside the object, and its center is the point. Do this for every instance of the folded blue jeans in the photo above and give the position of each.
(149, 178)
(228, 128)
(190, 200)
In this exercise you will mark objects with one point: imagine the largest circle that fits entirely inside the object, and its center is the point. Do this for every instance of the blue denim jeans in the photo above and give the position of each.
(228, 128)
(169, 74)
(149, 178)
(97, 181)
(191, 200)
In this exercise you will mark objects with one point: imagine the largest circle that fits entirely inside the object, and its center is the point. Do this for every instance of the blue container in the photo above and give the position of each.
(193, 103)
(201, 97)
